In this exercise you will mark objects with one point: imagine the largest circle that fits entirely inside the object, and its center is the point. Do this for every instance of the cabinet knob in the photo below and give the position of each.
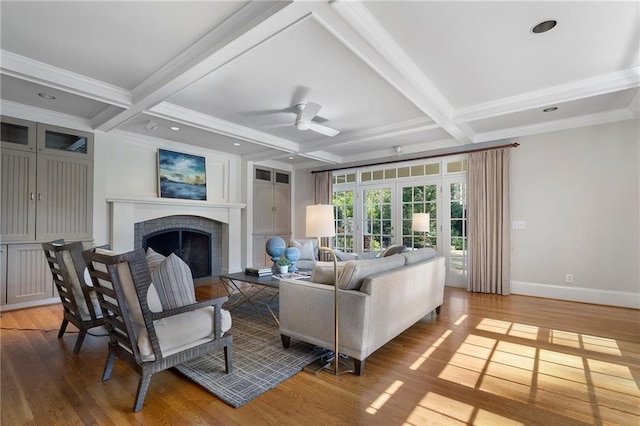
(32, 196)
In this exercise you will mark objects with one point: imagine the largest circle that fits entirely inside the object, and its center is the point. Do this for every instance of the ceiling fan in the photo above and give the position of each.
(306, 112)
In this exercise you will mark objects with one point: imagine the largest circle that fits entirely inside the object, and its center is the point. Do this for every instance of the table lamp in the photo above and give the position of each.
(321, 223)
(420, 223)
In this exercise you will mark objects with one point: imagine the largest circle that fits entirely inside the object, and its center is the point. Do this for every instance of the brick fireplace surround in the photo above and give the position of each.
(126, 212)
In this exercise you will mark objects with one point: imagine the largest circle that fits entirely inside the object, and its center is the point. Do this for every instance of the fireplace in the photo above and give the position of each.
(196, 240)
(134, 219)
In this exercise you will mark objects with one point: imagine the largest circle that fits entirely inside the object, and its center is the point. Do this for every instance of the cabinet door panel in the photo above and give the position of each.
(29, 277)
(17, 195)
(3, 274)
(282, 213)
(263, 207)
(65, 198)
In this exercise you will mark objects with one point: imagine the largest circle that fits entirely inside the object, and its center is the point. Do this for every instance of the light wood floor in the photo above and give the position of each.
(486, 359)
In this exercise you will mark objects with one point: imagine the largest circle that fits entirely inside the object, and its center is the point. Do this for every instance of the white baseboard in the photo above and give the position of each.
(33, 303)
(577, 294)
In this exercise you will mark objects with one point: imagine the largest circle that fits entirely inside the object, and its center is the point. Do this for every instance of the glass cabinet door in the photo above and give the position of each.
(18, 134)
(66, 142)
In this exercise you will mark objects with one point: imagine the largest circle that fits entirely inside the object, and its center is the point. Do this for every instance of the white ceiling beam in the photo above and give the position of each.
(586, 88)
(248, 27)
(196, 119)
(48, 75)
(387, 131)
(397, 67)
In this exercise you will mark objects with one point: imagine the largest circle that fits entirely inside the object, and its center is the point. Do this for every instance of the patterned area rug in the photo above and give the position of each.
(259, 360)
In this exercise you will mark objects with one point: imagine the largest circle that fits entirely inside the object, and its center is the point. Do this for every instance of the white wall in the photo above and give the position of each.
(303, 195)
(578, 193)
(126, 166)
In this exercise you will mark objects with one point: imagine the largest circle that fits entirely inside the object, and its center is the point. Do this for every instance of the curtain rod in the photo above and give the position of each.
(446, 154)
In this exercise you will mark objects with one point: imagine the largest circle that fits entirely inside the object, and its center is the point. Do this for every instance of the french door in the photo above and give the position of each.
(377, 218)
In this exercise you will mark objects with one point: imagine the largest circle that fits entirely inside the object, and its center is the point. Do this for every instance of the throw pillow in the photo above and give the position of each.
(174, 283)
(356, 271)
(154, 259)
(307, 249)
(415, 256)
(323, 273)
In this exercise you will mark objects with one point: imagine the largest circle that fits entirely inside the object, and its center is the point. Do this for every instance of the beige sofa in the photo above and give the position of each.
(378, 299)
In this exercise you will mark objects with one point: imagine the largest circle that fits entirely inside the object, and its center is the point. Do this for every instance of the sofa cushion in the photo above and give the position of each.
(308, 248)
(174, 283)
(323, 273)
(356, 271)
(415, 256)
(154, 259)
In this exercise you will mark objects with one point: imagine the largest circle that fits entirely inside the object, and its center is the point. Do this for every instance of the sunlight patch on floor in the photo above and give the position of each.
(384, 397)
(422, 358)
(438, 409)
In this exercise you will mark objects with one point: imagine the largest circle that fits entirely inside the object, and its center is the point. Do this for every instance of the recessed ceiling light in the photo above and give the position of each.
(46, 96)
(174, 128)
(543, 27)
(236, 144)
(291, 157)
(550, 109)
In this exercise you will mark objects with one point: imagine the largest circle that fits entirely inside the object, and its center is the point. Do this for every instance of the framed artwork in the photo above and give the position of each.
(181, 175)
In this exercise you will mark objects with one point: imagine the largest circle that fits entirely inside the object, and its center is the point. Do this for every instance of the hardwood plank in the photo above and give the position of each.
(486, 359)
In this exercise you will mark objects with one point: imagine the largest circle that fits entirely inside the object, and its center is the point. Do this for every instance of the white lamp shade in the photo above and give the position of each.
(420, 222)
(320, 221)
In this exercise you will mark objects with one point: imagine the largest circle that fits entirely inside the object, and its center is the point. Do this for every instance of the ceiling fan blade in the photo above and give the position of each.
(309, 111)
(324, 130)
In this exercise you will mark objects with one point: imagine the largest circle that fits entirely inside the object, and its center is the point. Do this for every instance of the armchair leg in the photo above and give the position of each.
(143, 385)
(228, 359)
(358, 365)
(286, 341)
(108, 368)
(81, 335)
(63, 327)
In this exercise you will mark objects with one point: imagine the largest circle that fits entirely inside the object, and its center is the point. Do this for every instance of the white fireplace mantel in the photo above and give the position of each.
(126, 212)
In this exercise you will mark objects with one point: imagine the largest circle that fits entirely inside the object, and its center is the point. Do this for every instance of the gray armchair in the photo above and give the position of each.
(143, 335)
(79, 300)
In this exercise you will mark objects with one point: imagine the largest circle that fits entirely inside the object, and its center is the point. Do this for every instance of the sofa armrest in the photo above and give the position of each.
(306, 313)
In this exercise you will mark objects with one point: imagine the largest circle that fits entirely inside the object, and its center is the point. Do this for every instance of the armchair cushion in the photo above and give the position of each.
(182, 331)
(356, 271)
(174, 283)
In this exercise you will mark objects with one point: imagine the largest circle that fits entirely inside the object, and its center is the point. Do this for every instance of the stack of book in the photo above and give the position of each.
(260, 272)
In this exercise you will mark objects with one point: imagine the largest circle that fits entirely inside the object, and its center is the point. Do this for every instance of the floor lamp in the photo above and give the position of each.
(420, 223)
(321, 223)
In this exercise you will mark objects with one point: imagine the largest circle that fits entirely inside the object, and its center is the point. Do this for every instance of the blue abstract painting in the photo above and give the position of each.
(182, 175)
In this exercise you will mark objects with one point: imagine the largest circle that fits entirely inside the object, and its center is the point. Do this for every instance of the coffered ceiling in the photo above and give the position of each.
(417, 75)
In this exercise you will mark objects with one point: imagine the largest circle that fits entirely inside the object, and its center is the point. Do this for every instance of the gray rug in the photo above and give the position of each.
(259, 360)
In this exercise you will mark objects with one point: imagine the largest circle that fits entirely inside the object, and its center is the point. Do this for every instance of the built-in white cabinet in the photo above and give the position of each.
(46, 193)
(271, 211)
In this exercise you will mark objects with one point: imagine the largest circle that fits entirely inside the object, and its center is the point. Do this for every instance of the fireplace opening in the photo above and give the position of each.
(191, 245)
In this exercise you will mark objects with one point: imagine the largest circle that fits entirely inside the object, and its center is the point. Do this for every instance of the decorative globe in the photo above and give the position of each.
(293, 254)
(275, 248)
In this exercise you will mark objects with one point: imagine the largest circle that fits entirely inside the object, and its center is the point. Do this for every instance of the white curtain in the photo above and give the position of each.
(489, 222)
(324, 195)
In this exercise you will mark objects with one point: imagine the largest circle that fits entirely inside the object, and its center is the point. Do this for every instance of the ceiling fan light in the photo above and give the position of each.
(303, 125)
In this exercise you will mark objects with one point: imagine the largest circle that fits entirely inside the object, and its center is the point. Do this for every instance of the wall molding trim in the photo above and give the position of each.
(577, 294)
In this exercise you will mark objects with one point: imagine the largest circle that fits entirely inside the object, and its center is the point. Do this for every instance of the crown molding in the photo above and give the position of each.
(40, 115)
(47, 75)
(556, 125)
(607, 83)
